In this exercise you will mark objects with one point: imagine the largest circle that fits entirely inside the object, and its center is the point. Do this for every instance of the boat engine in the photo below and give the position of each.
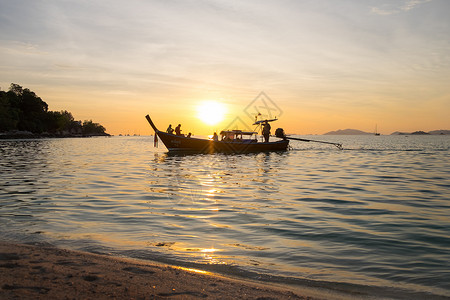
(279, 133)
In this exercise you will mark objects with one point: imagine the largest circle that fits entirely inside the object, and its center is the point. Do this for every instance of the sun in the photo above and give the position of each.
(211, 112)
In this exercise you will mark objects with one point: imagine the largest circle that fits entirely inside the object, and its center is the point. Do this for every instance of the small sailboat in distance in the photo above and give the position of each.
(376, 130)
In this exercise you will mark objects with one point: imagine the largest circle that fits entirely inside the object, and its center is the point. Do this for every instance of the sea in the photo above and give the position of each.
(371, 220)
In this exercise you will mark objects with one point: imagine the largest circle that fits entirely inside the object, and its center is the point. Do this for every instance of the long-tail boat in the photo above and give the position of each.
(230, 141)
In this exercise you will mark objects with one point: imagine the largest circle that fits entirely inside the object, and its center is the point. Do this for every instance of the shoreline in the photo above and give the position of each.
(47, 272)
(44, 271)
(20, 135)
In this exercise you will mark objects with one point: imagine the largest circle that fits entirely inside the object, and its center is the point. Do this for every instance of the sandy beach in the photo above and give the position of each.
(45, 272)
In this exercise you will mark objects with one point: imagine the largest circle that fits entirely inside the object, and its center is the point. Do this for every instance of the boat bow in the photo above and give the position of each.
(151, 123)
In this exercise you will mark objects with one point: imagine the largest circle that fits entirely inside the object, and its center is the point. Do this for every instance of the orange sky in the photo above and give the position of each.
(326, 66)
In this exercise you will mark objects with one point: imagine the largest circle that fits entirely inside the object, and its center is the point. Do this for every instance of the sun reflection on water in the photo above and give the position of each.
(194, 270)
(211, 250)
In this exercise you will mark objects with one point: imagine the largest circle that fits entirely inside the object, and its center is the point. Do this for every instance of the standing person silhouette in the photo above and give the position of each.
(266, 131)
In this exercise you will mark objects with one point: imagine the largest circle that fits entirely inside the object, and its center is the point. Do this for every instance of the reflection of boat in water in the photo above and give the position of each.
(231, 141)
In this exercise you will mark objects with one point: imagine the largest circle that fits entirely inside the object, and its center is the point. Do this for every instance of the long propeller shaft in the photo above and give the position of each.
(338, 145)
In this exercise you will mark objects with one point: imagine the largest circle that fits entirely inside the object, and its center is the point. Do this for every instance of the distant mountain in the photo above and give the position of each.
(439, 132)
(347, 132)
(433, 132)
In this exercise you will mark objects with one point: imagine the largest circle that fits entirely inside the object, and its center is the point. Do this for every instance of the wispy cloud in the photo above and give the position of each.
(411, 4)
(392, 9)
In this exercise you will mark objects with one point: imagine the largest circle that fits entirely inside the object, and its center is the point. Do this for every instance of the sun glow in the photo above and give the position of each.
(211, 112)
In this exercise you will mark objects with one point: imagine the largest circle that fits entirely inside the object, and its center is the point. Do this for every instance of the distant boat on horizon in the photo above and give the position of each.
(376, 130)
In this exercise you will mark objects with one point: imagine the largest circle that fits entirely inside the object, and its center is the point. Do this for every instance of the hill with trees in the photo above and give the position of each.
(359, 132)
(24, 114)
(347, 132)
(433, 132)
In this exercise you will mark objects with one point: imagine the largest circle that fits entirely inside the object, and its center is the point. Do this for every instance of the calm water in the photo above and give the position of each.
(376, 214)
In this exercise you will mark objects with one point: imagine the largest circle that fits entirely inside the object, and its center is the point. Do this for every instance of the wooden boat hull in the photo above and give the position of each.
(185, 144)
(176, 143)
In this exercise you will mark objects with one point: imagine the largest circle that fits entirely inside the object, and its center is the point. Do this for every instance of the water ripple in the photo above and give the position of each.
(376, 213)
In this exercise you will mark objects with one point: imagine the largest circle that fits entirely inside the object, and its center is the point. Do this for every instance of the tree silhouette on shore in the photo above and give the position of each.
(22, 110)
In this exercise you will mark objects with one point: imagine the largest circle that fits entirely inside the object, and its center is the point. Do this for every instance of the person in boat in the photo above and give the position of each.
(189, 135)
(178, 130)
(215, 137)
(169, 129)
(266, 131)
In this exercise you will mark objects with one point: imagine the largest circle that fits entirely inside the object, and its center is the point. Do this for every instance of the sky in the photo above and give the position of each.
(317, 65)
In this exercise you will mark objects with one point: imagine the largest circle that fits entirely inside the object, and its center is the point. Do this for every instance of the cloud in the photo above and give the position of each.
(392, 9)
(411, 4)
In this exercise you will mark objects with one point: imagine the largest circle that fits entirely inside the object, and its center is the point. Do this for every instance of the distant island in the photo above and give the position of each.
(24, 115)
(347, 132)
(359, 132)
(434, 132)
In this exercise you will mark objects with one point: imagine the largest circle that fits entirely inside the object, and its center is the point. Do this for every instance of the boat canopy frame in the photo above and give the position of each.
(232, 135)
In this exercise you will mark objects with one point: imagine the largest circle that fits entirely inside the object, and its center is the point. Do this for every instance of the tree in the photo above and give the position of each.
(9, 116)
(31, 109)
(90, 127)
(65, 120)
(16, 89)
(22, 109)
(31, 103)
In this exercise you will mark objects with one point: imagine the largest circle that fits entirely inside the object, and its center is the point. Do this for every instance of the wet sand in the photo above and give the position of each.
(43, 272)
